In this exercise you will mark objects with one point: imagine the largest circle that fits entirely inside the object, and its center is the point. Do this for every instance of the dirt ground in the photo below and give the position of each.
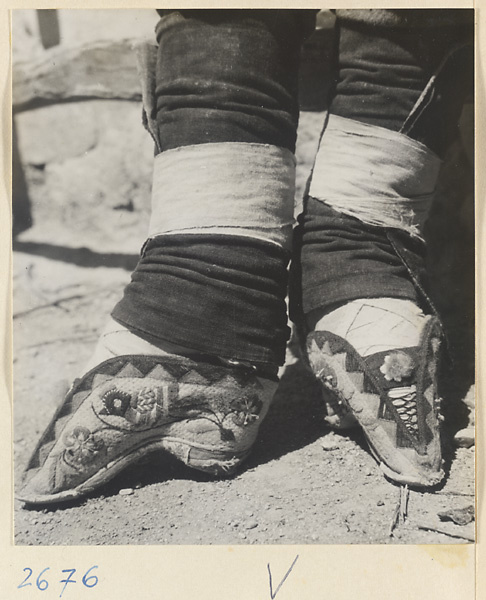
(303, 484)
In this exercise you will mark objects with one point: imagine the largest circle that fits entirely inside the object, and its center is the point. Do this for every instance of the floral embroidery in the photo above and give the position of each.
(82, 447)
(116, 402)
(145, 401)
(220, 410)
(144, 409)
(404, 401)
(246, 410)
(396, 366)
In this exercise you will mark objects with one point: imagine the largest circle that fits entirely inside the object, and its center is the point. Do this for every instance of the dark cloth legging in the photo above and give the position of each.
(381, 73)
(231, 76)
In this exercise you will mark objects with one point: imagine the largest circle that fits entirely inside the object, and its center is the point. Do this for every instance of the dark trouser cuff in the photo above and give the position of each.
(343, 259)
(219, 295)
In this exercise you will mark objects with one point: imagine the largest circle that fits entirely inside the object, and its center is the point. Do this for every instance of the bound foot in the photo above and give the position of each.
(377, 362)
(204, 411)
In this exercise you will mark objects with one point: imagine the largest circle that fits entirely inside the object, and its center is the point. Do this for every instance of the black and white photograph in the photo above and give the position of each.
(243, 276)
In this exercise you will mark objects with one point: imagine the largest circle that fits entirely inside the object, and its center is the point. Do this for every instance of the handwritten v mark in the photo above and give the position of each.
(272, 593)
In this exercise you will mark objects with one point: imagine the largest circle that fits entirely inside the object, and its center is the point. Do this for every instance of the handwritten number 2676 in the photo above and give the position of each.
(42, 584)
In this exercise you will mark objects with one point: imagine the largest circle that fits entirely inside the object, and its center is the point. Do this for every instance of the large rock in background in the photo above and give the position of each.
(87, 164)
(88, 168)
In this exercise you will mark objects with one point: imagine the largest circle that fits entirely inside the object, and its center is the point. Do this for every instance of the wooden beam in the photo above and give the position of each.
(102, 70)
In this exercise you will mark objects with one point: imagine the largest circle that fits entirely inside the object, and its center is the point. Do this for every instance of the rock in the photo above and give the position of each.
(251, 524)
(465, 438)
(380, 503)
(460, 516)
(329, 444)
(125, 492)
(51, 142)
(470, 400)
(86, 177)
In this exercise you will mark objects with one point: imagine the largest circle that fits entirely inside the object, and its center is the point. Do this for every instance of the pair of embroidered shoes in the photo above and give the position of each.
(208, 414)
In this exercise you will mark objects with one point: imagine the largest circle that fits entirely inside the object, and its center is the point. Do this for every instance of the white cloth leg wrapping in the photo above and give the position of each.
(379, 176)
(227, 188)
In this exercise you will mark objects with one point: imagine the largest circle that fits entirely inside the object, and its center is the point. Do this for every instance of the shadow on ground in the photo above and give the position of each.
(81, 257)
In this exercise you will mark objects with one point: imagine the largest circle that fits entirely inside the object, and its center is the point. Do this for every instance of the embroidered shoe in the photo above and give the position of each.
(206, 415)
(392, 395)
